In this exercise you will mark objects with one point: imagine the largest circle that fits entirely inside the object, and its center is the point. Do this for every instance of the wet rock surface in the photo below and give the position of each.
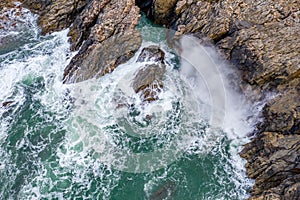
(55, 15)
(258, 37)
(103, 58)
(103, 32)
(151, 53)
(108, 29)
(261, 39)
(148, 81)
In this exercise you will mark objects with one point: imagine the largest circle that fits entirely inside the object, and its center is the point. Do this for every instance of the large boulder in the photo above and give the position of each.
(102, 58)
(148, 81)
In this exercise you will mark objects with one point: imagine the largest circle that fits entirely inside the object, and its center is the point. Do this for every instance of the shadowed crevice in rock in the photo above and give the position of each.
(160, 11)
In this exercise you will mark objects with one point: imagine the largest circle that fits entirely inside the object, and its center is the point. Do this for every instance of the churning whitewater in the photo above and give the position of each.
(74, 141)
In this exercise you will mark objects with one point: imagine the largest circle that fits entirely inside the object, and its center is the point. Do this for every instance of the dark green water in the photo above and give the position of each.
(53, 148)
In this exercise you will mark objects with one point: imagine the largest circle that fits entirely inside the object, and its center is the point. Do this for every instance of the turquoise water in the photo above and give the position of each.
(71, 142)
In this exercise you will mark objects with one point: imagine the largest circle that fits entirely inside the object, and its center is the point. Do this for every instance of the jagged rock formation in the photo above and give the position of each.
(148, 80)
(55, 15)
(103, 32)
(260, 38)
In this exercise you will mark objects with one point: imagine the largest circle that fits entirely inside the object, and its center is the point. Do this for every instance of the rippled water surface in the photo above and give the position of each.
(76, 141)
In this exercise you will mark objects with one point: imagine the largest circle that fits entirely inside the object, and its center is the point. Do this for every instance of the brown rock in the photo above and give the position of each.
(111, 39)
(55, 15)
(273, 160)
(102, 58)
(151, 53)
(10, 16)
(283, 112)
(103, 32)
(6, 4)
(260, 38)
(160, 11)
(7, 104)
(149, 79)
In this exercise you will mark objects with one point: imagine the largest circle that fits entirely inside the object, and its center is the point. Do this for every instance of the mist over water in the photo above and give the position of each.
(76, 141)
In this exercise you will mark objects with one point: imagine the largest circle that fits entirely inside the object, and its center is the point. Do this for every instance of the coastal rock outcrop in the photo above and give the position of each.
(55, 15)
(261, 39)
(148, 80)
(103, 32)
(10, 15)
(160, 11)
(110, 39)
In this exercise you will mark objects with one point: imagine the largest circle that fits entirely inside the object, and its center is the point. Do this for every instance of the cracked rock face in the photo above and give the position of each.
(103, 32)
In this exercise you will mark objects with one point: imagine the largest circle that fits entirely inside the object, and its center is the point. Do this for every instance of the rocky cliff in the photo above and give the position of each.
(261, 39)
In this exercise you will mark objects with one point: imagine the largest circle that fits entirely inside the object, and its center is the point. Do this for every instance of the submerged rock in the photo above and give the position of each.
(164, 192)
(149, 79)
